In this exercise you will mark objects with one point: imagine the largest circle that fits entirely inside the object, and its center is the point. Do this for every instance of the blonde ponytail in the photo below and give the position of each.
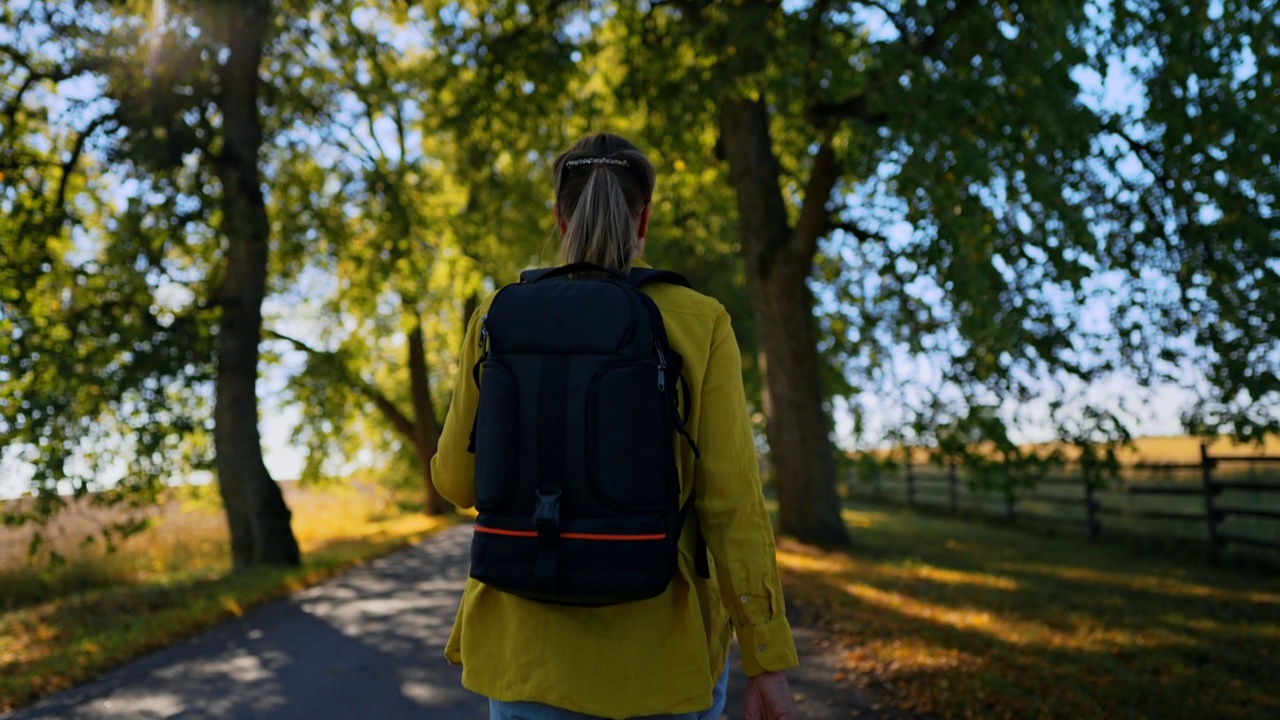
(601, 230)
(602, 185)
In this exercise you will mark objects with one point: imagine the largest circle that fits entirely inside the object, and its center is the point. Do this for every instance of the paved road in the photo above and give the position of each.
(367, 644)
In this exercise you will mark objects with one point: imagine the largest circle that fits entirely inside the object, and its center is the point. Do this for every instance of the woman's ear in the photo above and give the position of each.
(642, 229)
(560, 221)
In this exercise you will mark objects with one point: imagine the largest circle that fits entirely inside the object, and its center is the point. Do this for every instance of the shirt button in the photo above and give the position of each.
(759, 648)
(744, 598)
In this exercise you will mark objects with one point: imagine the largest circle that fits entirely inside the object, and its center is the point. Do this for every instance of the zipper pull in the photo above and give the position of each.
(484, 335)
(662, 368)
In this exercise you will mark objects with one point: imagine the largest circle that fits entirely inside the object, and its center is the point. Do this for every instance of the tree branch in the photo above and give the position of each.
(814, 218)
(824, 115)
(68, 166)
(855, 230)
(398, 420)
(1143, 151)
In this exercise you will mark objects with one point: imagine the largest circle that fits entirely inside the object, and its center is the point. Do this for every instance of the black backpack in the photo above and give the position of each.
(576, 482)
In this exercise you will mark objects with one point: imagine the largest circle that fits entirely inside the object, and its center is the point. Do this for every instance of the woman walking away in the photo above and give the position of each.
(572, 613)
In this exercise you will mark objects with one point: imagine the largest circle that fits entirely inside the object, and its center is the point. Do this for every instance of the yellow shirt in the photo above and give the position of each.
(655, 656)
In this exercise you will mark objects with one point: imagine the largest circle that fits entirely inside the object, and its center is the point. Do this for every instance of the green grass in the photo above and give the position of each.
(974, 620)
(64, 625)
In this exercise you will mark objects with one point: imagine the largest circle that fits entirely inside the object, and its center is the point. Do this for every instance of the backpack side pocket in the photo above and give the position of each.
(497, 430)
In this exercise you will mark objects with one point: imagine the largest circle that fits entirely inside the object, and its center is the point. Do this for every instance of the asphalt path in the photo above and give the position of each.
(366, 644)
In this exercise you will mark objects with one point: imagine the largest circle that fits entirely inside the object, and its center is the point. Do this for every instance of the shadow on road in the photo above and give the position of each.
(369, 643)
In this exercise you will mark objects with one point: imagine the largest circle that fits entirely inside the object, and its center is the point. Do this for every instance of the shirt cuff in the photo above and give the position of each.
(767, 647)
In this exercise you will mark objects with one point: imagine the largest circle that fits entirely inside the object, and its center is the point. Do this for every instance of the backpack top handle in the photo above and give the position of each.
(533, 276)
(638, 276)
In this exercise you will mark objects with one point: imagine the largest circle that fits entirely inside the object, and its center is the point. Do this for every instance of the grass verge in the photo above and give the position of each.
(972, 620)
(176, 585)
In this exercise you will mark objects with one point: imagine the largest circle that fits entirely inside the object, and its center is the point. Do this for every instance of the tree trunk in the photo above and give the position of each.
(256, 511)
(426, 428)
(778, 262)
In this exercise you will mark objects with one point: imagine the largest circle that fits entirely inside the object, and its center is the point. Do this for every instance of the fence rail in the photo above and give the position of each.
(1161, 490)
(947, 489)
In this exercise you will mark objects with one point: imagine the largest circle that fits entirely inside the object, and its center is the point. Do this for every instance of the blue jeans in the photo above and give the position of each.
(499, 710)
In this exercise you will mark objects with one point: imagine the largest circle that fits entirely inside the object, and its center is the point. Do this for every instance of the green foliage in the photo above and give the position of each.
(1192, 177)
(99, 337)
(995, 200)
(1004, 230)
(425, 184)
(403, 193)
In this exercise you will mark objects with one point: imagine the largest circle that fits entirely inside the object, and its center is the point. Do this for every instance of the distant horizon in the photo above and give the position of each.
(1269, 447)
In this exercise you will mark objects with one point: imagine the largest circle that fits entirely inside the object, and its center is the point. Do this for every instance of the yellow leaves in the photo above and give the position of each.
(965, 618)
(231, 605)
(912, 653)
(809, 564)
(856, 519)
(1155, 584)
(953, 577)
(962, 621)
(44, 632)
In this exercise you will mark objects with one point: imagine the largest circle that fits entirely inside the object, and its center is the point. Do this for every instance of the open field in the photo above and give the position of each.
(1172, 449)
(187, 539)
(1159, 495)
(970, 620)
(1183, 449)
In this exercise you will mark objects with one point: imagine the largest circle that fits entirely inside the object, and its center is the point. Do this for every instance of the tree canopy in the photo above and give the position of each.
(941, 221)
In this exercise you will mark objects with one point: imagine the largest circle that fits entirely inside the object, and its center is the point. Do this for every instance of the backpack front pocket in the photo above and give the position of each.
(629, 439)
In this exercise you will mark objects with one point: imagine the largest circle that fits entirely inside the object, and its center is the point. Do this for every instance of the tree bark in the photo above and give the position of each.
(256, 512)
(426, 427)
(778, 261)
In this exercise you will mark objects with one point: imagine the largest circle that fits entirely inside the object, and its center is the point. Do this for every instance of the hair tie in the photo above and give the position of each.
(596, 161)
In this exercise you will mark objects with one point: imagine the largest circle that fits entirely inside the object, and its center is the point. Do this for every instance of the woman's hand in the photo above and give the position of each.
(768, 697)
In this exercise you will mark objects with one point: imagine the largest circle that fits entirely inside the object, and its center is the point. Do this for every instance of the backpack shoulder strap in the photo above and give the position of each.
(643, 276)
(529, 276)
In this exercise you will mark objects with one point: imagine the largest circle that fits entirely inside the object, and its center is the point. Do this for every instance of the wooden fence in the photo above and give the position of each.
(1208, 500)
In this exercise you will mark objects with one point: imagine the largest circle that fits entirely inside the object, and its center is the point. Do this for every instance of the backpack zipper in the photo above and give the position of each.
(484, 334)
(662, 367)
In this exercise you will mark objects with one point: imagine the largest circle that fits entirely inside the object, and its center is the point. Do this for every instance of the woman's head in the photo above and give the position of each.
(603, 186)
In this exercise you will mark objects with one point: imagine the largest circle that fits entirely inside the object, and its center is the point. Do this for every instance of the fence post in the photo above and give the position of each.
(911, 484)
(1210, 492)
(955, 500)
(1091, 509)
